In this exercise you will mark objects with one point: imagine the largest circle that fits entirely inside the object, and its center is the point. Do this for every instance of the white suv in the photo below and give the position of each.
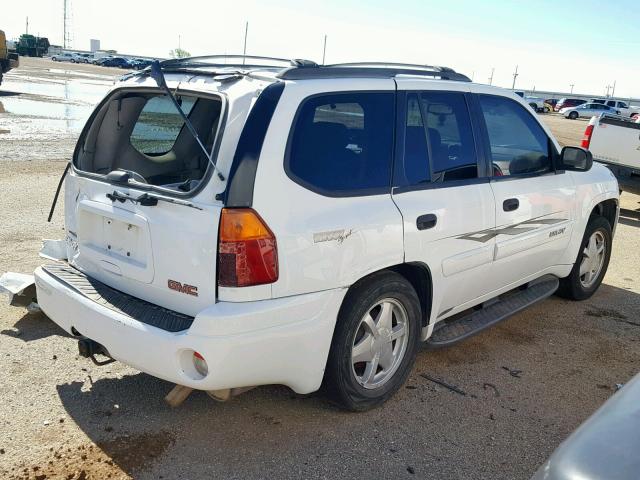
(325, 222)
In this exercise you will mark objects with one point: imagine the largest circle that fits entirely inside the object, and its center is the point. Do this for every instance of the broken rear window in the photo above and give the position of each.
(143, 132)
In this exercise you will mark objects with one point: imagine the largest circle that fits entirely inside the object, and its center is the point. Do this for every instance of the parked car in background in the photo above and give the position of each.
(64, 57)
(536, 103)
(623, 107)
(82, 57)
(98, 61)
(116, 62)
(140, 63)
(568, 102)
(587, 110)
(615, 142)
(549, 105)
(319, 263)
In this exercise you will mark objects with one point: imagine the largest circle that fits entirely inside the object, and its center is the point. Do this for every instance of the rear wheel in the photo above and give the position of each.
(375, 342)
(592, 262)
(573, 115)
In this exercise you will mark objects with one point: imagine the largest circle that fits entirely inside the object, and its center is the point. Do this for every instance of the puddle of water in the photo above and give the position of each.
(70, 90)
(46, 110)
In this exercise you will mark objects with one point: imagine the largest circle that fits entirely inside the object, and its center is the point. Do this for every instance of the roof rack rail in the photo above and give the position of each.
(223, 61)
(370, 69)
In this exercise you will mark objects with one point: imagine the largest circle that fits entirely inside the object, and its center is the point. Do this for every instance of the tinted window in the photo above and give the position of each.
(343, 142)
(518, 143)
(159, 124)
(438, 131)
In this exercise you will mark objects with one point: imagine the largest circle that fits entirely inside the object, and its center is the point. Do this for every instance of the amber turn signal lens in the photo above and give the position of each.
(247, 250)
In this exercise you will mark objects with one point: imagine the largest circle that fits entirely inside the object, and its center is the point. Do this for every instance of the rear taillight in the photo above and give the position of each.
(586, 140)
(247, 250)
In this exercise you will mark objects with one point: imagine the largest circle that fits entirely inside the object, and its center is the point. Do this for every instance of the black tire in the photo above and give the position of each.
(573, 115)
(572, 287)
(341, 383)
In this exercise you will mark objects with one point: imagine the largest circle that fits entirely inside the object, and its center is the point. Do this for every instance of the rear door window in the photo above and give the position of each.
(342, 143)
(518, 144)
(438, 144)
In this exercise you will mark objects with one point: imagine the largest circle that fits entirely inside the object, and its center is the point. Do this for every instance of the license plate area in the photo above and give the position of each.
(114, 240)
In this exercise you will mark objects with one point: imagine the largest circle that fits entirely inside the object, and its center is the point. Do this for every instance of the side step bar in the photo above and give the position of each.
(461, 327)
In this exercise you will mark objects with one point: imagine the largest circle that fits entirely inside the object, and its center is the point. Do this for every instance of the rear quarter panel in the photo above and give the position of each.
(323, 242)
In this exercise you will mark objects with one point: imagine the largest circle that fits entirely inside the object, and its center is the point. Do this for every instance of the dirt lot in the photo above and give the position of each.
(527, 382)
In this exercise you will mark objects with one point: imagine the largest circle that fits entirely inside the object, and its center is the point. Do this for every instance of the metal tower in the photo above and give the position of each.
(67, 38)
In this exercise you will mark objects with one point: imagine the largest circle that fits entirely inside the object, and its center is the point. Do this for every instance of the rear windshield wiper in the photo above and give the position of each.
(148, 200)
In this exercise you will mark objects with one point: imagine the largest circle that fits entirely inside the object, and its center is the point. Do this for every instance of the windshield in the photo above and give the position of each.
(144, 134)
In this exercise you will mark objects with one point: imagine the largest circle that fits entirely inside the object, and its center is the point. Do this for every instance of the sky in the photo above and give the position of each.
(554, 43)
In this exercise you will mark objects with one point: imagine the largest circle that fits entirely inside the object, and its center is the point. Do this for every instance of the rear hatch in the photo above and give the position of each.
(138, 213)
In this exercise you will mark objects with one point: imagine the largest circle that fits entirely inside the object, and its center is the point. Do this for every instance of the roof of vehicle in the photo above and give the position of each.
(300, 69)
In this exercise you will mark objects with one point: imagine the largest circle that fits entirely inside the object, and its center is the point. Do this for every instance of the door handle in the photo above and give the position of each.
(427, 221)
(510, 204)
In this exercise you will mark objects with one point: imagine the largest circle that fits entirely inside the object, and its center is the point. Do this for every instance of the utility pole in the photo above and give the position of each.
(491, 77)
(246, 32)
(613, 92)
(179, 42)
(515, 74)
(324, 48)
(27, 30)
(572, 85)
(64, 33)
(607, 94)
(473, 74)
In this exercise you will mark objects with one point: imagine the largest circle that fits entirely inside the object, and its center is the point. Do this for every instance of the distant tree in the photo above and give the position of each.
(179, 53)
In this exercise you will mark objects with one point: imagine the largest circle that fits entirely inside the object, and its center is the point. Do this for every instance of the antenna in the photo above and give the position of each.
(244, 51)
(324, 49)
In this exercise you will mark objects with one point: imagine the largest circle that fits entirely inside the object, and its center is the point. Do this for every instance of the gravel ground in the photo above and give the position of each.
(528, 383)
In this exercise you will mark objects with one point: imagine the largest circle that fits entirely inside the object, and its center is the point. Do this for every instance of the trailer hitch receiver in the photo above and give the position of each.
(90, 348)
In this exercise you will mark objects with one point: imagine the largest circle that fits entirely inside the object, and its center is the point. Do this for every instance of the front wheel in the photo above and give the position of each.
(592, 262)
(573, 115)
(375, 342)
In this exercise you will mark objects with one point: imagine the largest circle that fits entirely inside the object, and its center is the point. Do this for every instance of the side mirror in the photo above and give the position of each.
(576, 159)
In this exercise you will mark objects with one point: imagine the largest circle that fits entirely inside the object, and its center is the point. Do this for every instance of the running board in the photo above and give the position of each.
(451, 331)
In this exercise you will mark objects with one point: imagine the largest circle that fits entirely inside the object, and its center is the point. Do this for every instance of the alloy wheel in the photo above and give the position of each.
(380, 343)
(593, 257)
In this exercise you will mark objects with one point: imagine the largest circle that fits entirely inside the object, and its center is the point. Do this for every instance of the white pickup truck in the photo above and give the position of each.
(624, 108)
(615, 142)
(537, 103)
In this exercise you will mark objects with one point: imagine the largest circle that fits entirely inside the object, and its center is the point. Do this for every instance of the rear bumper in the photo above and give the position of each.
(280, 341)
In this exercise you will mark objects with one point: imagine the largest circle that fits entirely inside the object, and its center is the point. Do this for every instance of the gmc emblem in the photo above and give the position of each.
(179, 287)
